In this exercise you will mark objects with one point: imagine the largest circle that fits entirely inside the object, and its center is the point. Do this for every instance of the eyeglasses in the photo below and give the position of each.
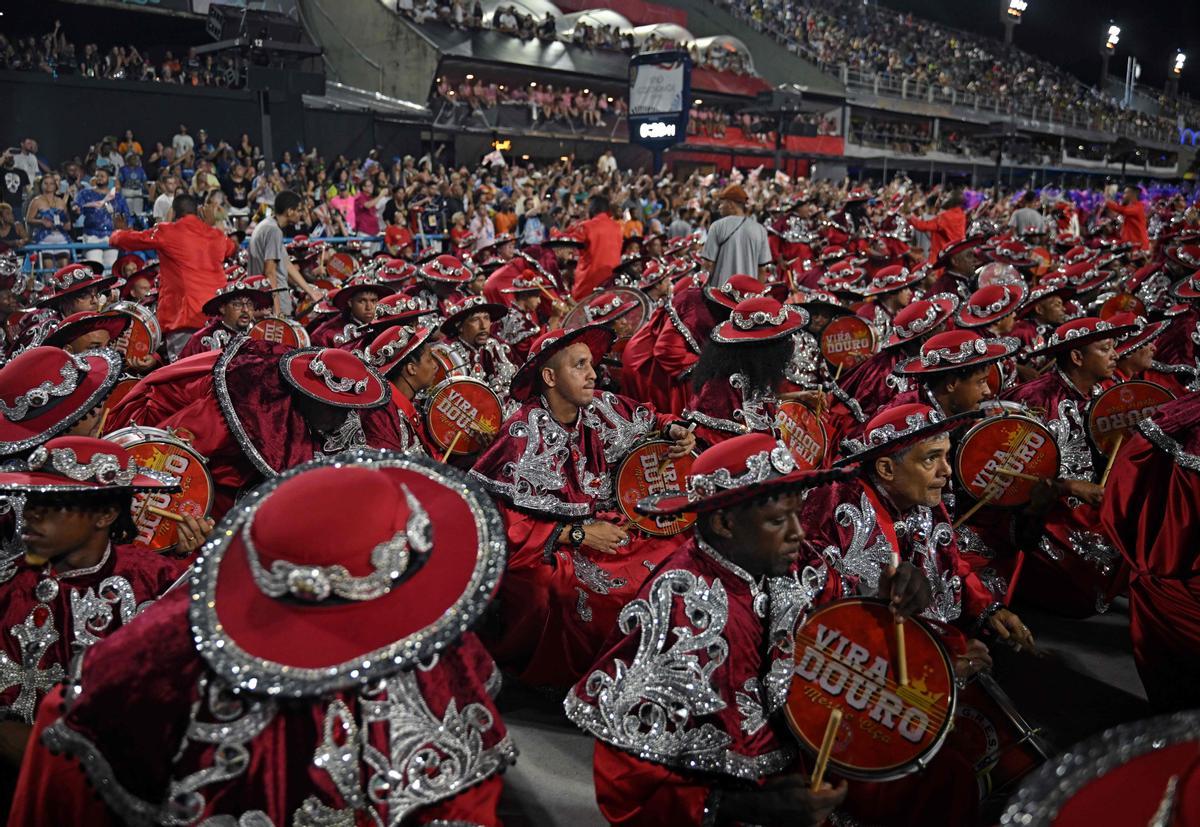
(240, 304)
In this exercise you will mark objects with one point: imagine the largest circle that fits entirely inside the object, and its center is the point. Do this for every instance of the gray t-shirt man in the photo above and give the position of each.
(266, 244)
(736, 244)
(1026, 218)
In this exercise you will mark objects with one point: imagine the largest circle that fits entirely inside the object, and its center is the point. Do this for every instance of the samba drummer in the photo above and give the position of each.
(655, 281)
(438, 280)
(402, 356)
(614, 309)
(355, 303)
(233, 310)
(570, 566)
(469, 342)
(686, 705)
(807, 369)
(890, 291)
(521, 325)
(72, 289)
(991, 311)
(951, 373)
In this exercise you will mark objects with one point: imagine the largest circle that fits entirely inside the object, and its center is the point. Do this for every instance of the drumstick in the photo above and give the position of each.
(831, 728)
(984, 500)
(170, 515)
(103, 419)
(1008, 472)
(838, 373)
(901, 654)
(1112, 457)
(662, 466)
(453, 442)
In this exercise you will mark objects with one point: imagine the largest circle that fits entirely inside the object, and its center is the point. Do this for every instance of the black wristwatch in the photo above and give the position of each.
(576, 535)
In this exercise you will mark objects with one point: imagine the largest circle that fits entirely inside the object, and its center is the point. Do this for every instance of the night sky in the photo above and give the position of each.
(1069, 33)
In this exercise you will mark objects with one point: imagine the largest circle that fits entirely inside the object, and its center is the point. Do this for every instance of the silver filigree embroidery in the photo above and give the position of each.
(750, 706)
(217, 340)
(43, 394)
(617, 433)
(753, 411)
(348, 436)
(594, 577)
(858, 560)
(33, 641)
(92, 611)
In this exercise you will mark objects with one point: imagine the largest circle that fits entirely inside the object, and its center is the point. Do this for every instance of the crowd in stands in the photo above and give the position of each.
(899, 48)
(54, 54)
(713, 122)
(546, 103)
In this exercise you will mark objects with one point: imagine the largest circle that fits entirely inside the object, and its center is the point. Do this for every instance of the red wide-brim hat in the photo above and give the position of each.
(598, 338)
(990, 304)
(951, 250)
(495, 312)
(300, 648)
(87, 321)
(334, 377)
(902, 439)
(972, 353)
(341, 298)
(77, 384)
(261, 297)
(1143, 336)
(394, 345)
(82, 465)
(893, 279)
(1079, 332)
(100, 283)
(941, 307)
(759, 320)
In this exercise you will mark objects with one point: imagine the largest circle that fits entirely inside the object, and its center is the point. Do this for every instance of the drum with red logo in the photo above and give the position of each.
(988, 727)
(281, 331)
(646, 471)
(997, 456)
(459, 412)
(1116, 411)
(165, 452)
(846, 658)
(449, 362)
(847, 341)
(803, 434)
(341, 266)
(142, 337)
(1122, 303)
(119, 392)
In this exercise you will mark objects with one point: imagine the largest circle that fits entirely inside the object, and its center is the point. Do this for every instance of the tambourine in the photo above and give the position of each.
(1119, 409)
(846, 658)
(1002, 745)
(645, 471)
(458, 410)
(803, 434)
(142, 337)
(159, 450)
(847, 341)
(281, 331)
(997, 457)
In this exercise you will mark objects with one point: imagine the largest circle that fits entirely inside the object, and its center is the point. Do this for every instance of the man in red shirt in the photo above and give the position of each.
(1133, 211)
(601, 252)
(191, 254)
(945, 228)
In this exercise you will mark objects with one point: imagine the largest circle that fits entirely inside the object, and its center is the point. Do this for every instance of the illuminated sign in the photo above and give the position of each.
(656, 129)
(503, 146)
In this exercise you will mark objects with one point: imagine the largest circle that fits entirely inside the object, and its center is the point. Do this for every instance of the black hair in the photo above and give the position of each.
(944, 378)
(412, 358)
(285, 201)
(762, 364)
(598, 204)
(184, 204)
(123, 529)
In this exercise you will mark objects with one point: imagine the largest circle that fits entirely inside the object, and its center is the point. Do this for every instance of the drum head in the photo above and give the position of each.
(159, 450)
(1117, 410)
(459, 409)
(646, 471)
(846, 659)
(448, 364)
(280, 331)
(1122, 303)
(1019, 444)
(802, 433)
(142, 337)
(847, 341)
(341, 266)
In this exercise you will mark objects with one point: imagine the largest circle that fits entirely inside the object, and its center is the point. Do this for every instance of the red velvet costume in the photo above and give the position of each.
(723, 409)
(558, 603)
(333, 331)
(237, 411)
(1150, 504)
(213, 336)
(301, 756)
(72, 612)
(690, 320)
(517, 329)
(1176, 346)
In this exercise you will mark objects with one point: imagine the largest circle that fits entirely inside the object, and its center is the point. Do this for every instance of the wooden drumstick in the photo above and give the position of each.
(450, 448)
(984, 500)
(831, 728)
(1008, 472)
(103, 419)
(170, 515)
(838, 373)
(901, 652)
(1112, 457)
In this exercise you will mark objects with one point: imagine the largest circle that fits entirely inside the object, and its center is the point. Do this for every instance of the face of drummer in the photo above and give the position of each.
(362, 306)
(570, 375)
(421, 371)
(917, 475)
(818, 320)
(1051, 310)
(764, 538)
(476, 329)
(83, 300)
(53, 531)
(660, 290)
(623, 326)
(1096, 360)
(528, 302)
(138, 289)
(1002, 327)
(1137, 361)
(93, 340)
(238, 313)
(965, 393)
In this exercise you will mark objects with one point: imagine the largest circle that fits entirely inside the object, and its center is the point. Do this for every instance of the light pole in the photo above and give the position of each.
(1107, 50)
(1176, 70)
(1010, 16)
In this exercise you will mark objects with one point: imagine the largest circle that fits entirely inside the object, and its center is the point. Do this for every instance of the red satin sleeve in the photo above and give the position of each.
(632, 792)
(476, 805)
(51, 789)
(672, 353)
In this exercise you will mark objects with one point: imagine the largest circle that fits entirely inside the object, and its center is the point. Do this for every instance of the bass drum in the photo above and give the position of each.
(646, 471)
(459, 411)
(280, 331)
(1003, 746)
(142, 337)
(162, 451)
(449, 363)
(846, 658)
(993, 452)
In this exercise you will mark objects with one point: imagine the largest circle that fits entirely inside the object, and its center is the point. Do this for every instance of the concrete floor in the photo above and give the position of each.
(1084, 682)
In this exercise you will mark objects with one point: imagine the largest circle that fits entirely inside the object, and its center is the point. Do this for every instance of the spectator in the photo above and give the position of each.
(182, 144)
(366, 209)
(103, 209)
(602, 238)
(505, 220)
(946, 228)
(12, 232)
(191, 256)
(1133, 211)
(167, 187)
(1026, 217)
(47, 218)
(736, 243)
(133, 183)
(27, 160)
(269, 257)
(14, 183)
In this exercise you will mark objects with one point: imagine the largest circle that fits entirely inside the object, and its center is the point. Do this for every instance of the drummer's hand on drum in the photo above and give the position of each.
(1009, 627)
(783, 799)
(684, 439)
(141, 364)
(975, 659)
(605, 537)
(906, 588)
(192, 533)
(1089, 492)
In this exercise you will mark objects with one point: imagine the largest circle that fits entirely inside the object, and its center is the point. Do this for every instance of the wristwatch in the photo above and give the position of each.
(576, 535)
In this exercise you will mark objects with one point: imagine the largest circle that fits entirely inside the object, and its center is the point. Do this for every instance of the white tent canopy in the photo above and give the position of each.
(667, 31)
(595, 18)
(728, 42)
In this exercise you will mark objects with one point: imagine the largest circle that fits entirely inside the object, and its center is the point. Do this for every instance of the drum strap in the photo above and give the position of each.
(886, 524)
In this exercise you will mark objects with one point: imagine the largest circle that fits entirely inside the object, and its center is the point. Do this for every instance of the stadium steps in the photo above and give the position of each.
(775, 63)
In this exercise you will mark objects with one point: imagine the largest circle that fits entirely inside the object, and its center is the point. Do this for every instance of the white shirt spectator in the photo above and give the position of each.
(182, 144)
(27, 162)
(606, 164)
(162, 207)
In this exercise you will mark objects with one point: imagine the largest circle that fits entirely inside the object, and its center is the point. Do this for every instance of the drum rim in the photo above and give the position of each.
(929, 753)
(875, 342)
(296, 327)
(635, 517)
(432, 395)
(143, 434)
(1045, 791)
(1091, 407)
(959, 477)
(143, 315)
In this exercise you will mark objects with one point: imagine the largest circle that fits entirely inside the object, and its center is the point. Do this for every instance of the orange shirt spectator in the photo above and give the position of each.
(633, 227)
(1134, 211)
(505, 221)
(943, 229)
(601, 252)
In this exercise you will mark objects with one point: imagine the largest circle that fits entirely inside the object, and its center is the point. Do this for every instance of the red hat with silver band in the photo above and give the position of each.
(1187, 289)
(951, 250)
(990, 304)
(341, 298)
(921, 317)
(1049, 287)
(894, 429)
(1143, 333)
(445, 269)
(760, 319)
(598, 338)
(817, 300)
(956, 350)
(458, 309)
(1079, 332)
(256, 291)
(45, 390)
(892, 278)
(74, 278)
(280, 610)
(737, 288)
(738, 470)
(1185, 255)
(394, 345)
(334, 377)
(82, 465)
(608, 306)
(85, 322)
